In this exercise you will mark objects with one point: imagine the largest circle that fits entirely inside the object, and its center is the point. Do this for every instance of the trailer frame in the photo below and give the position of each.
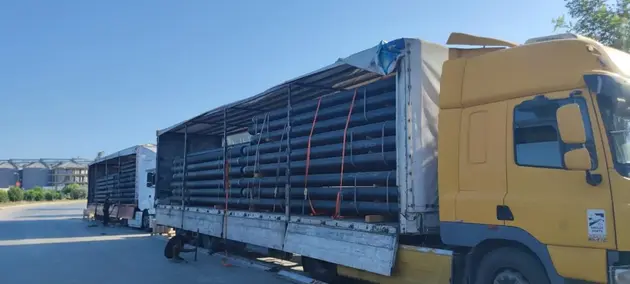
(352, 243)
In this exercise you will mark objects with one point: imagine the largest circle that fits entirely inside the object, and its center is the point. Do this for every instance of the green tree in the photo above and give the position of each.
(78, 193)
(4, 196)
(604, 20)
(37, 188)
(38, 194)
(28, 195)
(67, 190)
(49, 195)
(15, 194)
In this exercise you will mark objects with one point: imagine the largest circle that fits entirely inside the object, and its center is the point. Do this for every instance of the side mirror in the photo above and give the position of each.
(578, 160)
(570, 124)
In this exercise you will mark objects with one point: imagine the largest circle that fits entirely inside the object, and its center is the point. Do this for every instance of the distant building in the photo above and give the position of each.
(69, 172)
(35, 174)
(47, 173)
(9, 174)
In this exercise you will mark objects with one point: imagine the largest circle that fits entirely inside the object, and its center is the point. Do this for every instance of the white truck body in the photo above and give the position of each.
(146, 195)
(145, 159)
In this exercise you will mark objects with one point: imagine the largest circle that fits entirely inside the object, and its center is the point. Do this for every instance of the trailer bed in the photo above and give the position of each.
(356, 244)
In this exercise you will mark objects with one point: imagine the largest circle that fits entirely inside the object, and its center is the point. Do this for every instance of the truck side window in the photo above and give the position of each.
(536, 139)
(150, 179)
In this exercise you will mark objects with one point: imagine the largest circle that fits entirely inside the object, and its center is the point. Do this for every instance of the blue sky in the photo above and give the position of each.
(78, 77)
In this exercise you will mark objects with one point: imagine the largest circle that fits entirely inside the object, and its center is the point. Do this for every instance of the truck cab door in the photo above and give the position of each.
(559, 206)
(482, 173)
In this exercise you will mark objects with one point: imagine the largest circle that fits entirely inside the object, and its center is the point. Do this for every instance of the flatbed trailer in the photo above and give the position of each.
(350, 241)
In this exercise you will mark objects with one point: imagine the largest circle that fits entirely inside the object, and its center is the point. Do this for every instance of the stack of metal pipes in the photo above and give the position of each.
(120, 186)
(342, 159)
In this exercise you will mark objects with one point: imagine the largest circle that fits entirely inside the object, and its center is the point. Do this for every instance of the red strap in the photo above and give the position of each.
(343, 156)
(308, 157)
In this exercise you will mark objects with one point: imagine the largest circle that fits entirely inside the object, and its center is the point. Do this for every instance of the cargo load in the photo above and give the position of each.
(334, 148)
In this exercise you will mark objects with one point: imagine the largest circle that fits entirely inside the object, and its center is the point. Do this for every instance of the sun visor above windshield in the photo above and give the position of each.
(468, 39)
(454, 53)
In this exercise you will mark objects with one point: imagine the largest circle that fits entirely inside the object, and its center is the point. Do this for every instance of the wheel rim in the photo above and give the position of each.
(509, 276)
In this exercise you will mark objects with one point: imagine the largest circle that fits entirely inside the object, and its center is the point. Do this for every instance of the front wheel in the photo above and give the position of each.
(510, 265)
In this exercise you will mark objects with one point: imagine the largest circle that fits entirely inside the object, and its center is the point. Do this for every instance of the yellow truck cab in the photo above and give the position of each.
(533, 158)
(534, 166)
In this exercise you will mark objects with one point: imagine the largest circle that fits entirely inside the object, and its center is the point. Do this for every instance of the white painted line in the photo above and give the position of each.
(29, 204)
(68, 240)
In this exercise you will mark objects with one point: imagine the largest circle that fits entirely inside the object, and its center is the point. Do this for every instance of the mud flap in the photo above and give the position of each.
(126, 211)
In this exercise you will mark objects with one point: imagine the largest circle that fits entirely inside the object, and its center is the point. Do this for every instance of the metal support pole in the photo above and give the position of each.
(185, 173)
(226, 181)
(118, 177)
(287, 187)
(106, 174)
(106, 169)
(197, 240)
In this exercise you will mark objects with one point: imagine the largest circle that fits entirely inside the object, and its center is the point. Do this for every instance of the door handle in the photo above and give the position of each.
(593, 179)
(504, 213)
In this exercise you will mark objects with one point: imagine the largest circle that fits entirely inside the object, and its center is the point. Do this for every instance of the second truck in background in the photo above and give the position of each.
(122, 176)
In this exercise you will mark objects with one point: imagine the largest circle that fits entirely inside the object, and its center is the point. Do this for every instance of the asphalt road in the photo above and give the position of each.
(52, 244)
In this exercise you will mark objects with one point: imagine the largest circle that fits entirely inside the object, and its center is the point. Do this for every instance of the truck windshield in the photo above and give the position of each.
(613, 97)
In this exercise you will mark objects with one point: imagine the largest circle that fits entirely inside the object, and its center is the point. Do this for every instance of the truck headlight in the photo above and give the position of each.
(621, 275)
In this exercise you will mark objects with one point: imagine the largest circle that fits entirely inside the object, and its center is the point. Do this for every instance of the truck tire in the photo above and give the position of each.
(510, 265)
(145, 220)
(320, 270)
(212, 244)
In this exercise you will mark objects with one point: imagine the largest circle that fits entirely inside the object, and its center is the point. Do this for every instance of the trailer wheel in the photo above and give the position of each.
(210, 243)
(510, 265)
(145, 220)
(320, 270)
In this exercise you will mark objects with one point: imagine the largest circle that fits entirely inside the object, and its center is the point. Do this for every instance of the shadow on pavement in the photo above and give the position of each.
(56, 228)
(79, 207)
(71, 261)
(116, 259)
